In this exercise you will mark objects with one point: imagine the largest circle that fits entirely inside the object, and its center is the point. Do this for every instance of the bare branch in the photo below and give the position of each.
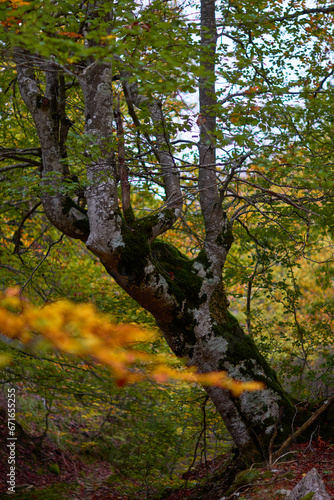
(234, 169)
(318, 10)
(17, 153)
(17, 165)
(122, 168)
(41, 262)
(20, 226)
(162, 148)
(321, 84)
(169, 169)
(306, 425)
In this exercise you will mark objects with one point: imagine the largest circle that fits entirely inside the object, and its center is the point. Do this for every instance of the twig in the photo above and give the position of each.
(19, 229)
(41, 262)
(284, 455)
(273, 437)
(10, 268)
(18, 165)
(309, 446)
(198, 441)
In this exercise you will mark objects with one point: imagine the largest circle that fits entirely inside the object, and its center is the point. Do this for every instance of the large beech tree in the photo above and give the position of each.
(263, 72)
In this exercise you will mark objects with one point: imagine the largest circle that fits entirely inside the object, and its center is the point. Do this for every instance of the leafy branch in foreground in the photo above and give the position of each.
(80, 330)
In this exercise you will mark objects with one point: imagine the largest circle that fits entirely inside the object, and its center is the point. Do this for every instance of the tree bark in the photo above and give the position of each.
(193, 315)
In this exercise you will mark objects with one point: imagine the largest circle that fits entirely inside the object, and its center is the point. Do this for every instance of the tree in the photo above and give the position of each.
(106, 65)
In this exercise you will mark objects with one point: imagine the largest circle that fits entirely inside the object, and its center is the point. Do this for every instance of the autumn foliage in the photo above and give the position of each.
(78, 329)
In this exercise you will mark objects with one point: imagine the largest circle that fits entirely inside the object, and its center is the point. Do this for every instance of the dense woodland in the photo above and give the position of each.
(166, 167)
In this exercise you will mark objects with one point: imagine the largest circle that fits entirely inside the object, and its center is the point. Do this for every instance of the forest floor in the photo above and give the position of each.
(52, 474)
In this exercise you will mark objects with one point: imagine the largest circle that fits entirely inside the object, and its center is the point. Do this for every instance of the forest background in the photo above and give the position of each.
(274, 160)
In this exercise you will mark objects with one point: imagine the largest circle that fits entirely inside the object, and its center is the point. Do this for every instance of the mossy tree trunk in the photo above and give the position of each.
(188, 301)
(186, 297)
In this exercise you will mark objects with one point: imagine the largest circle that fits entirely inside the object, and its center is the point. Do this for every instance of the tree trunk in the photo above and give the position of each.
(190, 307)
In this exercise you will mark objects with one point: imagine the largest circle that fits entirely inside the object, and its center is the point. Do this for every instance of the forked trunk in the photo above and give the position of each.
(190, 307)
(186, 297)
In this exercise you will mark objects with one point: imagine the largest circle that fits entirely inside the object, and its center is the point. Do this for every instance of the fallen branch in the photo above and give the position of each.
(306, 424)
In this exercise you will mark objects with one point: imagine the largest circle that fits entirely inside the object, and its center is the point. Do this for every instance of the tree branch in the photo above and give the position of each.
(17, 239)
(217, 228)
(169, 170)
(122, 168)
(17, 165)
(59, 208)
(162, 151)
(41, 262)
(318, 10)
(306, 425)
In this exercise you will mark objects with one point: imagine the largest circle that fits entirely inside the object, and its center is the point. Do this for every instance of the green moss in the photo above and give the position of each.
(175, 267)
(183, 283)
(244, 477)
(184, 339)
(166, 251)
(289, 475)
(134, 254)
(203, 259)
(225, 238)
(242, 350)
(136, 236)
(83, 225)
(169, 214)
(309, 496)
(69, 204)
(54, 468)
(129, 215)
(241, 347)
(219, 305)
(59, 491)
